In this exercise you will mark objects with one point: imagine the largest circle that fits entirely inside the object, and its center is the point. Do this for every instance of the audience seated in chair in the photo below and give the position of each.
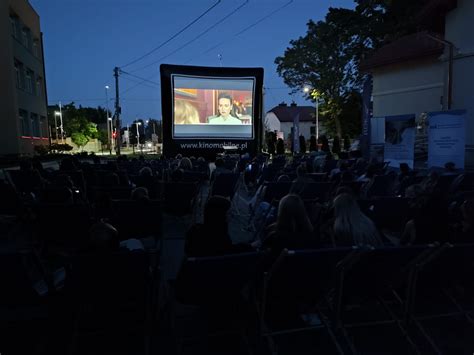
(103, 238)
(212, 237)
(464, 231)
(140, 194)
(351, 226)
(430, 222)
(292, 229)
(299, 184)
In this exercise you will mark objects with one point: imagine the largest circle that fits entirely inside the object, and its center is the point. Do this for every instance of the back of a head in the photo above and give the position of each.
(177, 175)
(301, 170)
(185, 164)
(292, 216)
(215, 211)
(145, 171)
(140, 194)
(67, 164)
(283, 178)
(450, 166)
(404, 168)
(219, 162)
(112, 179)
(103, 237)
(26, 165)
(351, 225)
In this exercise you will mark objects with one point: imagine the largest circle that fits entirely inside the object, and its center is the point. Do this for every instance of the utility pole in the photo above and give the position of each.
(117, 110)
(61, 120)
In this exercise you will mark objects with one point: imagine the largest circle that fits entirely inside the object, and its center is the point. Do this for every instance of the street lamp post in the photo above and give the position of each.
(109, 120)
(315, 95)
(56, 114)
(138, 133)
(61, 120)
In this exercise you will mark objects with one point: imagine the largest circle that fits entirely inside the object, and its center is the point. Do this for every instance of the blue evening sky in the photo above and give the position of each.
(85, 39)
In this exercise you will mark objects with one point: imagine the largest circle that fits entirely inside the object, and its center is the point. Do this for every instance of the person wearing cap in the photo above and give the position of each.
(211, 238)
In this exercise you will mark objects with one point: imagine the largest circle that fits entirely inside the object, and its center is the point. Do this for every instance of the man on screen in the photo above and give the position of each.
(225, 108)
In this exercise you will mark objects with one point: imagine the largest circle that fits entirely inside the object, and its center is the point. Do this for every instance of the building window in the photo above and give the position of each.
(35, 125)
(36, 48)
(19, 74)
(43, 127)
(29, 81)
(14, 24)
(26, 38)
(18, 70)
(24, 123)
(39, 82)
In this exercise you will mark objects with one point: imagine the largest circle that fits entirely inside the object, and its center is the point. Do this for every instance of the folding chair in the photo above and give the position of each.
(63, 226)
(435, 287)
(25, 312)
(221, 285)
(316, 191)
(179, 197)
(138, 219)
(300, 278)
(365, 282)
(111, 295)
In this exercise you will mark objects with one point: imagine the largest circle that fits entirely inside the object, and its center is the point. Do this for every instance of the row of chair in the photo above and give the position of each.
(346, 287)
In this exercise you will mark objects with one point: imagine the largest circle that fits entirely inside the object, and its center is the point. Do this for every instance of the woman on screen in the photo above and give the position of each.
(185, 113)
(225, 108)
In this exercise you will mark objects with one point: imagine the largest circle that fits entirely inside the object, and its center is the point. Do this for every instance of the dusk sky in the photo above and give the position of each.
(85, 39)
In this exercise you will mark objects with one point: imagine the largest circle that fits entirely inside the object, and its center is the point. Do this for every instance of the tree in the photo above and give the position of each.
(327, 58)
(103, 136)
(81, 130)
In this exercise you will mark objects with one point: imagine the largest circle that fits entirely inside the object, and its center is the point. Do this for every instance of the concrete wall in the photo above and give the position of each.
(305, 129)
(460, 30)
(410, 87)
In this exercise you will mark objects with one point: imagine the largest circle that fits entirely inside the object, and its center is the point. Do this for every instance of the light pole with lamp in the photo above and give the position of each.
(109, 119)
(138, 123)
(315, 95)
(56, 114)
(60, 115)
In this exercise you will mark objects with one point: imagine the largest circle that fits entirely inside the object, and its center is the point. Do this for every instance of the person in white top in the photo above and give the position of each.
(225, 108)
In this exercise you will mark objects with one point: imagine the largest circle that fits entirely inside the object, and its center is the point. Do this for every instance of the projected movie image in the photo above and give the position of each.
(212, 107)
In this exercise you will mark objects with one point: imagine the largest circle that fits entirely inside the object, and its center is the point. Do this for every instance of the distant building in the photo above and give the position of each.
(280, 119)
(410, 75)
(23, 104)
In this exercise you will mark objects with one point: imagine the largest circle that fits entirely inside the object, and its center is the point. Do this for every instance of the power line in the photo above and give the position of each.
(173, 36)
(139, 82)
(245, 29)
(140, 78)
(224, 18)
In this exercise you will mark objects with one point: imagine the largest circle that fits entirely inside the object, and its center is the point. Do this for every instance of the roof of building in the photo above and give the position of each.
(286, 113)
(414, 46)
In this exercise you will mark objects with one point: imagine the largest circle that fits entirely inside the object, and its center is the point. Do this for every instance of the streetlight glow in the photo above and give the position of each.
(57, 113)
(306, 89)
(107, 87)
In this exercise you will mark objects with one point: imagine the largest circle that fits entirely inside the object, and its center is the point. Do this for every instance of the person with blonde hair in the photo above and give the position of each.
(293, 228)
(185, 113)
(351, 226)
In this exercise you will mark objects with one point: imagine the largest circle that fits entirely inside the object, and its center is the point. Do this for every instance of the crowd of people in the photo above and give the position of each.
(316, 200)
